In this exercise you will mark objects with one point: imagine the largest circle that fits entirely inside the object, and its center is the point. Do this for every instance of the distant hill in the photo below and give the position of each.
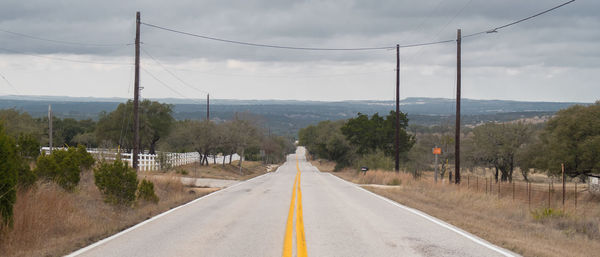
(285, 117)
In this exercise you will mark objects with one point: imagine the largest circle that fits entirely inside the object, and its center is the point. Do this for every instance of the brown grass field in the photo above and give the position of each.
(512, 224)
(49, 221)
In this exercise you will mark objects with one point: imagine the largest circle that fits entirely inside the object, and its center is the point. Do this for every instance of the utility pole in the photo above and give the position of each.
(457, 133)
(207, 107)
(136, 100)
(50, 127)
(397, 145)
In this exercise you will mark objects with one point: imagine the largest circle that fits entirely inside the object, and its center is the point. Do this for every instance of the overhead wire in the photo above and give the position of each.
(293, 75)
(124, 128)
(354, 48)
(10, 84)
(163, 83)
(63, 41)
(62, 59)
(494, 30)
(266, 45)
(172, 73)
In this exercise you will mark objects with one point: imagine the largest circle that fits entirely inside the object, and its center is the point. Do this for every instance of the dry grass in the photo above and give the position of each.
(502, 221)
(49, 221)
(250, 169)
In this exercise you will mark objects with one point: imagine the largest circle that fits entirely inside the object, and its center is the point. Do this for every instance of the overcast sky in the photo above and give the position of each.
(87, 49)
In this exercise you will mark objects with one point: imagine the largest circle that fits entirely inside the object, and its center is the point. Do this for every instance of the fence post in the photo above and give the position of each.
(468, 178)
(476, 184)
(499, 186)
(529, 194)
(549, 185)
(486, 185)
(575, 195)
(513, 192)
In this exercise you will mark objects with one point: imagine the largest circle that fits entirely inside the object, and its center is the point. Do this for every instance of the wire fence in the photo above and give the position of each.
(535, 195)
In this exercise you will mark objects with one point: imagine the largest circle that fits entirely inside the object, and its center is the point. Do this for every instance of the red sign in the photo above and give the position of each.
(437, 150)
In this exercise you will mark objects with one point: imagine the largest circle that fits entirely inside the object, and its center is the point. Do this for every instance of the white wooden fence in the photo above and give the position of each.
(151, 162)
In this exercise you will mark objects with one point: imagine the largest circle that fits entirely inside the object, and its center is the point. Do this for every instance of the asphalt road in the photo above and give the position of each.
(259, 217)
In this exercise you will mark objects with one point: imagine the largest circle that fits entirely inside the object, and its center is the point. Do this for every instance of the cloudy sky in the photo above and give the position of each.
(84, 48)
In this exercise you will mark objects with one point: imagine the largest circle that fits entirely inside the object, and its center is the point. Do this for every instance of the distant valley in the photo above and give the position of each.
(285, 117)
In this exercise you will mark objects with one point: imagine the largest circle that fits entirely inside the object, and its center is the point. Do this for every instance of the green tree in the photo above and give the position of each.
(17, 122)
(156, 121)
(117, 182)
(497, 145)
(28, 149)
(377, 133)
(64, 166)
(325, 140)
(146, 193)
(28, 146)
(9, 166)
(66, 130)
(571, 137)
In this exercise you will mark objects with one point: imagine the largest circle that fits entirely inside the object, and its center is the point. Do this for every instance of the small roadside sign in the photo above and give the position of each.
(437, 150)
(364, 169)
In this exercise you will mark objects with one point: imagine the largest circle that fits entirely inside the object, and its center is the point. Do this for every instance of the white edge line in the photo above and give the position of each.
(437, 221)
(103, 241)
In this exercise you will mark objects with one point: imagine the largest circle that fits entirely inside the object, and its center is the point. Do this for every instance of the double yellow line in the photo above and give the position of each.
(300, 239)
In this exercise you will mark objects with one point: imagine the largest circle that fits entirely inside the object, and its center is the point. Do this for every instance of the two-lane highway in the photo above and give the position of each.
(284, 213)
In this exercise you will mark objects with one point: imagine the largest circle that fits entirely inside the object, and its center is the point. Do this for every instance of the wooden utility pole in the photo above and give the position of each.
(50, 127)
(457, 133)
(397, 145)
(207, 107)
(136, 94)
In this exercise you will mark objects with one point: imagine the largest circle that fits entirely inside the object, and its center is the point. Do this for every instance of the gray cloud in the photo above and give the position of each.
(566, 38)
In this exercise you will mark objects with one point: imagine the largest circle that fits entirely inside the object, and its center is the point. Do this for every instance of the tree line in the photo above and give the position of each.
(571, 137)
(159, 131)
(22, 163)
(359, 141)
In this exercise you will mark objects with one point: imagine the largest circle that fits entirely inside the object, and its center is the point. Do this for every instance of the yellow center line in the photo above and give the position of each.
(300, 239)
(287, 241)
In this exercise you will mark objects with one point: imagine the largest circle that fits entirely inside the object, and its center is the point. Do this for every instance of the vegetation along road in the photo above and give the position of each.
(295, 211)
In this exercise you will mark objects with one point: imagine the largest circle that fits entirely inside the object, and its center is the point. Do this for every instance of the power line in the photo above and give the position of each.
(163, 83)
(297, 75)
(10, 84)
(63, 41)
(62, 59)
(437, 35)
(267, 45)
(351, 49)
(173, 74)
(391, 47)
(494, 30)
